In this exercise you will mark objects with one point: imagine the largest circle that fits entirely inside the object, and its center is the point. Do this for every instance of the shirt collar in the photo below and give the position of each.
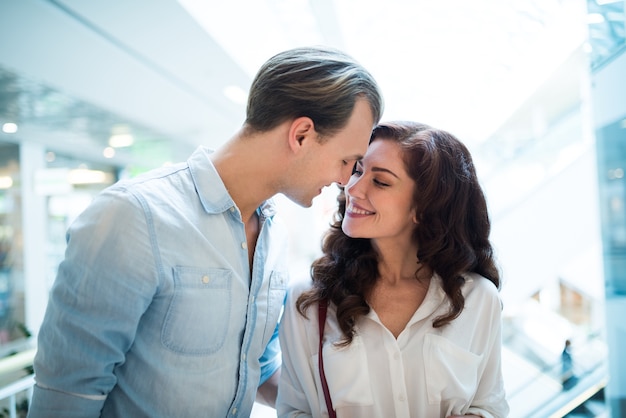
(435, 296)
(210, 187)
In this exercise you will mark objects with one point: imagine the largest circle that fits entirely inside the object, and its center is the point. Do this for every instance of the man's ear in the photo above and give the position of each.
(301, 131)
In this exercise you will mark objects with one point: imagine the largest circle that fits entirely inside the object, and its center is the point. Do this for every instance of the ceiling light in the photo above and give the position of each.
(616, 173)
(121, 140)
(9, 128)
(109, 152)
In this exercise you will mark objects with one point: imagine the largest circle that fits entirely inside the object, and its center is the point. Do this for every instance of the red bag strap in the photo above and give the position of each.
(322, 305)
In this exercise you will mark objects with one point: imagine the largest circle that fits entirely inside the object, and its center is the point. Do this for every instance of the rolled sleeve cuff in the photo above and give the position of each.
(49, 403)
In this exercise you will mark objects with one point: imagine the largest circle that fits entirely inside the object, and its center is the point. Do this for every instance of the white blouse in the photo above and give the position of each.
(426, 372)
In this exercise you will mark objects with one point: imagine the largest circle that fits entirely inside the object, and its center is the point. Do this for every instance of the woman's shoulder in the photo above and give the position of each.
(477, 286)
(299, 286)
(294, 291)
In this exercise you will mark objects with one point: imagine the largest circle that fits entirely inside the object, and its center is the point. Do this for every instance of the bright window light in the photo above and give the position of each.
(86, 176)
(6, 182)
(595, 18)
(236, 94)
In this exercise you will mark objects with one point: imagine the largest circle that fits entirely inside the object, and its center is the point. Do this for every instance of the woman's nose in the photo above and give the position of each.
(353, 188)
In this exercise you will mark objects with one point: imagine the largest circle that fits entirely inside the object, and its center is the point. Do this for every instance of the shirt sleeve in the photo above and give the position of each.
(47, 403)
(270, 360)
(297, 385)
(490, 399)
(103, 286)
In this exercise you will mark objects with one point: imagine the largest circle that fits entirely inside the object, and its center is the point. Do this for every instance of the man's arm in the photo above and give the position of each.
(266, 393)
(93, 310)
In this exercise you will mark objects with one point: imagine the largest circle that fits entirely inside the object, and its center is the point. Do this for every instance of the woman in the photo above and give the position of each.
(413, 326)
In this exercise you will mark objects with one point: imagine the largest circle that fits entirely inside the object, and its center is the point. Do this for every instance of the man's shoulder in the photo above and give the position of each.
(154, 174)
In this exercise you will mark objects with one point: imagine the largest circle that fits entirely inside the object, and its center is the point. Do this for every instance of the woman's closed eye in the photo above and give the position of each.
(358, 172)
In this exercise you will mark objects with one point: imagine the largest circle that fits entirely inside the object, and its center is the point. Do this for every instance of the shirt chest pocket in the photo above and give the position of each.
(277, 290)
(451, 371)
(197, 320)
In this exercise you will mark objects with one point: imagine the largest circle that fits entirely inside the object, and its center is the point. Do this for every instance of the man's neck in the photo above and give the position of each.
(248, 171)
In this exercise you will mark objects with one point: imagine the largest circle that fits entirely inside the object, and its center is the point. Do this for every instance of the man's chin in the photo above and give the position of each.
(303, 202)
(306, 204)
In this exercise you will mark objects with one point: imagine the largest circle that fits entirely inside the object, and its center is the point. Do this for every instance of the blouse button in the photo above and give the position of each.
(244, 245)
(205, 279)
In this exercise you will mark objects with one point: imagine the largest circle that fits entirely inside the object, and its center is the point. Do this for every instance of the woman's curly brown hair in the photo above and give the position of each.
(452, 232)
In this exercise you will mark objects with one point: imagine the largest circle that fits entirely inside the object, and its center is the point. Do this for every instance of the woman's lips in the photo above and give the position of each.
(352, 209)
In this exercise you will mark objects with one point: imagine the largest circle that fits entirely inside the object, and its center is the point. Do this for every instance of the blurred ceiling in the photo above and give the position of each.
(174, 74)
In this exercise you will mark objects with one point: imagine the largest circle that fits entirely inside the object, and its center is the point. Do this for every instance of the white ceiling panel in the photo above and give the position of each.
(165, 64)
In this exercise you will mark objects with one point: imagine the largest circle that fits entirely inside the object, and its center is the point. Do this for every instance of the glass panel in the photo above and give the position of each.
(607, 30)
(611, 143)
(11, 255)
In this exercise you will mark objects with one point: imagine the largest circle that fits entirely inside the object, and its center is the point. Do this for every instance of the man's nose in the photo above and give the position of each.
(344, 178)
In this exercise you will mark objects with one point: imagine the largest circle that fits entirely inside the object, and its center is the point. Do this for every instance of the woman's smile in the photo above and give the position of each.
(353, 210)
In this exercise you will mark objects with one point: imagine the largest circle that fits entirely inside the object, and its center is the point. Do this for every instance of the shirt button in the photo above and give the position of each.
(234, 411)
(244, 245)
(396, 356)
(401, 398)
(232, 208)
(243, 356)
(205, 279)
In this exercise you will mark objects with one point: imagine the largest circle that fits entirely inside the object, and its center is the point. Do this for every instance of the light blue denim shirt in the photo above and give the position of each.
(154, 312)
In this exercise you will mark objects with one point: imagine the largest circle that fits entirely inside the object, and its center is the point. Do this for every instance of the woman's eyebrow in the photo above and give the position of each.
(385, 170)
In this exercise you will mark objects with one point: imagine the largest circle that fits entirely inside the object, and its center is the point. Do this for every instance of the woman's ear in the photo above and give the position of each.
(415, 221)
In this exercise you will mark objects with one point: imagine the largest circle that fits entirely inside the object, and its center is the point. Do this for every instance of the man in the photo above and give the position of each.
(167, 302)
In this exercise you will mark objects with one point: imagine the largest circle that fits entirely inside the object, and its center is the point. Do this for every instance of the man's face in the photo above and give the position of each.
(333, 160)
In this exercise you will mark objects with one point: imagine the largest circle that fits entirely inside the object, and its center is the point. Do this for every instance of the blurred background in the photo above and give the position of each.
(96, 91)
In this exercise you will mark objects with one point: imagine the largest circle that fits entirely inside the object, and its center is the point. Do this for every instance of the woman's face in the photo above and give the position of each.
(379, 196)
